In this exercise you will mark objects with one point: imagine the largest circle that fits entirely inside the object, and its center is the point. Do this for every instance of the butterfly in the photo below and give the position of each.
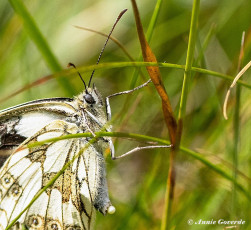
(70, 202)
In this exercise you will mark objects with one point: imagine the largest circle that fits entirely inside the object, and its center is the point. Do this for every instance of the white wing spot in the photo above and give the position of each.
(19, 154)
(48, 135)
(31, 123)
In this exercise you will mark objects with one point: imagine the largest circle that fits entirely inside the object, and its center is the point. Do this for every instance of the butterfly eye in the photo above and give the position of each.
(89, 99)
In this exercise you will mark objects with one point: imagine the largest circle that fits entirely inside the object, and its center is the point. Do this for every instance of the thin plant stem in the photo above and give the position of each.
(236, 127)
(189, 59)
(182, 111)
(149, 139)
(236, 140)
(113, 65)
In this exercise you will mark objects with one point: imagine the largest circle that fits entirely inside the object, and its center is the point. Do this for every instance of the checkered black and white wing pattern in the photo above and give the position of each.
(71, 201)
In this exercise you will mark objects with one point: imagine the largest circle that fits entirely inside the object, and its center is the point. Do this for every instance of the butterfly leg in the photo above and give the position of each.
(108, 111)
(86, 122)
(108, 107)
(111, 149)
(141, 148)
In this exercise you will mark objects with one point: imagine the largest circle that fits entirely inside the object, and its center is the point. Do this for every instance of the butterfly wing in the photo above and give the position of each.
(70, 201)
(22, 121)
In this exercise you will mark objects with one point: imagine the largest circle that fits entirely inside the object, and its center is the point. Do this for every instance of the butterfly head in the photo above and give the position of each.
(91, 98)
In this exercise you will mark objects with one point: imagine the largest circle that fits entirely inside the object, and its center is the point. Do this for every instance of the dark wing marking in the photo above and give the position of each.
(28, 170)
(9, 139)
(36, 103)
(19, 122)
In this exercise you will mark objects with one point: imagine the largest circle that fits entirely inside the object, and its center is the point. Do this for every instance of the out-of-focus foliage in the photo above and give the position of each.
(137, 183)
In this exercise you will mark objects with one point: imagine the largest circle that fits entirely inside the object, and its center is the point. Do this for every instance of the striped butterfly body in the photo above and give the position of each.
(71, 201)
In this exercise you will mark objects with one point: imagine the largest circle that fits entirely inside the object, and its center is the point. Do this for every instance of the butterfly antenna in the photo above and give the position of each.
(117, 20)
(71, 64)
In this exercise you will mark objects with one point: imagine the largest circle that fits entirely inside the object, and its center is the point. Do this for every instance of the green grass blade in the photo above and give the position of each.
(153, 21)
(114, 65)
(41, 43)
(236, 142)
(144, 138)
(189, 59)
(165, 224)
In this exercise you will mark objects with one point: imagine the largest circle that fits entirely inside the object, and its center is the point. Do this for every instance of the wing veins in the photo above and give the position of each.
(87, 180)
(23, 189)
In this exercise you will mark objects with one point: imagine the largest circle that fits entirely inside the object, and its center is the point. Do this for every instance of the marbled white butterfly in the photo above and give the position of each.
(71, 201)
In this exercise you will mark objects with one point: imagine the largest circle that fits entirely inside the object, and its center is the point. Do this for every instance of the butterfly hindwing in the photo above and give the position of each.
(70, 201)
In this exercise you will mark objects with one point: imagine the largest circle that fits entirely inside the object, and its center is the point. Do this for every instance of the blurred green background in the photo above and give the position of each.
(137, 183)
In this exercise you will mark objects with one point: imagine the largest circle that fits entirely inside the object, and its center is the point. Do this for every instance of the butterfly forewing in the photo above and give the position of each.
(71, 201)
(20, 122)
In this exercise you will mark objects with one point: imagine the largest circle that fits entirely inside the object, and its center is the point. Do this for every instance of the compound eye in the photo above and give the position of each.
(89, 99)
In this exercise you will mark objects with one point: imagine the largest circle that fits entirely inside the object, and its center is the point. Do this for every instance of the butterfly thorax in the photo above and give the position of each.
(91, 111)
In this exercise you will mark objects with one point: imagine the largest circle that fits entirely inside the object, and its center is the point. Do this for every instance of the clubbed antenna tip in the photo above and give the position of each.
(100, 55)
(72, 65)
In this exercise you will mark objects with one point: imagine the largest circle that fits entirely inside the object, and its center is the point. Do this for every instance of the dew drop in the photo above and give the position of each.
(111, 209)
